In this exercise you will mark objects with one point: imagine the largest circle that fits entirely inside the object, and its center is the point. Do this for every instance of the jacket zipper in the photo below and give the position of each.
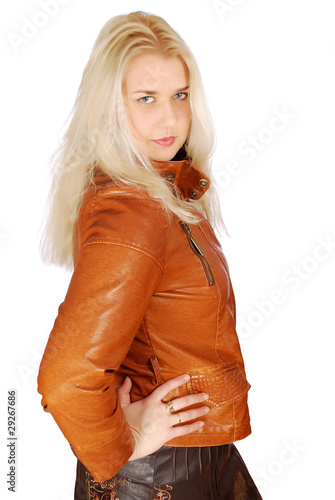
(198, 251)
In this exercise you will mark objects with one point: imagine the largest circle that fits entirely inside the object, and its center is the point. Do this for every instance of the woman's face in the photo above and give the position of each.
(156, 101)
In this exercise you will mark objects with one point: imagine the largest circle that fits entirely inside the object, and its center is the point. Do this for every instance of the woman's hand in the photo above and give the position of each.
(150, 420)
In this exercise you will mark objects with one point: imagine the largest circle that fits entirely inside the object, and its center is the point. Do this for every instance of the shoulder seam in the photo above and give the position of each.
(101, 197)
(126, 192)
(127, 245)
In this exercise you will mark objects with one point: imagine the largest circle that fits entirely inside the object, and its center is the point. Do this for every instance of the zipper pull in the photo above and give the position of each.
(198, 251)
(187, 227)
(193, 240)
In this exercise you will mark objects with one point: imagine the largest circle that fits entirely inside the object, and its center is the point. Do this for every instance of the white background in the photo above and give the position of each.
(259, 59)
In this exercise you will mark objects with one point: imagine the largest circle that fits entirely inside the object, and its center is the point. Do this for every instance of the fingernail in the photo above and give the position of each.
(206, 396)
(187, 377)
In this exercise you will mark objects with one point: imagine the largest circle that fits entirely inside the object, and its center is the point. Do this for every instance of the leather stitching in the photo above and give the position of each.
(127, 245)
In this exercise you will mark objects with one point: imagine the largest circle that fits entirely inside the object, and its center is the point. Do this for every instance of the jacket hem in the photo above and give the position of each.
(210, 439)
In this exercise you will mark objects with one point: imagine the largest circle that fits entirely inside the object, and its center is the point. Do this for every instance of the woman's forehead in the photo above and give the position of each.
(155, 73)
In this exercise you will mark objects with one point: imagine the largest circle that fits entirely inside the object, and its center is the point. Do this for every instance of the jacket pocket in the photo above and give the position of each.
(224, 384)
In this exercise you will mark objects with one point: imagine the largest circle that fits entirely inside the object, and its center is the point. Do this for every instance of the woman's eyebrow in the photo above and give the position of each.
(153, 92)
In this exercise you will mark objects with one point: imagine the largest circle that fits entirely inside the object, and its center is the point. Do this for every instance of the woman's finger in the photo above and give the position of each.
(168, 386)
(181, 430)
(123, 392)
(184, 401)
(186, 416)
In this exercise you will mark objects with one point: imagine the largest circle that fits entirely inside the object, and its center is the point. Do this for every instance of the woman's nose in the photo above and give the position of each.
(167, 116)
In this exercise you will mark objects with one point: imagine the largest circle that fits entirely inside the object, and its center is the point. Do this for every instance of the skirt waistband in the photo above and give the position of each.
(176, 473)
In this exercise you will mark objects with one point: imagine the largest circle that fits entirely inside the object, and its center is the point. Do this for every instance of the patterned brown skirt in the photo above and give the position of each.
(205, 473)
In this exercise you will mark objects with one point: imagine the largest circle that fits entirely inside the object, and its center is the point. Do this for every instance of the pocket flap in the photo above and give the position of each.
(224, 385)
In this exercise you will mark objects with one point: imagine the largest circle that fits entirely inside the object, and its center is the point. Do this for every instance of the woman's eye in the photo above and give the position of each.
(145, 99)
(181, 95)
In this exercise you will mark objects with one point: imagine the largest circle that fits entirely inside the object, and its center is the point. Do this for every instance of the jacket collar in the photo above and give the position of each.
(189, 182)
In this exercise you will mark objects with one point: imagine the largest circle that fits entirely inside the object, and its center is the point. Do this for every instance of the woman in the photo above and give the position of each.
(143, 371)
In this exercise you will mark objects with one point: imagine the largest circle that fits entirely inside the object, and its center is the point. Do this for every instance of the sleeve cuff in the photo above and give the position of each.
(104, 460)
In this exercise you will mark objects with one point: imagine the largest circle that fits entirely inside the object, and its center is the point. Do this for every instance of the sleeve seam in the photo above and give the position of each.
(127, 245)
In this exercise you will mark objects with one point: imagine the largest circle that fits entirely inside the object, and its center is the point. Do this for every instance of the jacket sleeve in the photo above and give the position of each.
(118, 267)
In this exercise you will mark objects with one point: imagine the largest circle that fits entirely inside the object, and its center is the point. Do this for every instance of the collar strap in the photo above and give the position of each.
(190, 182)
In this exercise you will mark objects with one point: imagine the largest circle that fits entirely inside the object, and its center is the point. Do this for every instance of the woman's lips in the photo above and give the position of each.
(165, 141)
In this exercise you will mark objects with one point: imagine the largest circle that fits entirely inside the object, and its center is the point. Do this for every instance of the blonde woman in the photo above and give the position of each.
(143, 371)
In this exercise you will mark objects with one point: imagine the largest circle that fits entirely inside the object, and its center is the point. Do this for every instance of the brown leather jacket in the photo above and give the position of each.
(149, 298)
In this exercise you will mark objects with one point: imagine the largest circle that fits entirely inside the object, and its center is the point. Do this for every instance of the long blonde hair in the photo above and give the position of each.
(99, 132)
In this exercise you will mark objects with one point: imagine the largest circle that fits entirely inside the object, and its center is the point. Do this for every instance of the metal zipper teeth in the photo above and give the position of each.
(199, 252)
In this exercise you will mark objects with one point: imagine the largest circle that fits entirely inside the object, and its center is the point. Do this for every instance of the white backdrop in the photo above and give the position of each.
(268, 69)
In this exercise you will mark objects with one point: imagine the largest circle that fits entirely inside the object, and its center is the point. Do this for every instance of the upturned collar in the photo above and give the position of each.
(190, 182)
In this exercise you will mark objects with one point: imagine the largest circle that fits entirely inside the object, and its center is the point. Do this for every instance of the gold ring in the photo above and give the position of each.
(169, 407)
(179, 418)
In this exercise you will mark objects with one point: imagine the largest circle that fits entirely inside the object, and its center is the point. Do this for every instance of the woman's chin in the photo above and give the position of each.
(163, 156)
